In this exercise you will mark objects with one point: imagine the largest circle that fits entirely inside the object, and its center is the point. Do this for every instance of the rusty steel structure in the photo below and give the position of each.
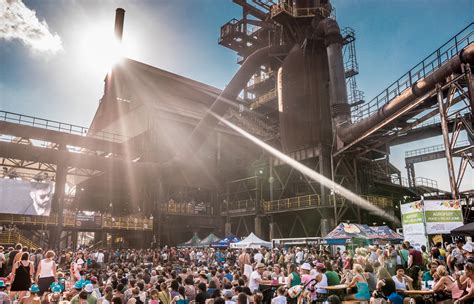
(176, 165)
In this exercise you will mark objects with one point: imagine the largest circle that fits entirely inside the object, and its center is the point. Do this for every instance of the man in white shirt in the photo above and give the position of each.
(256, 278)
(258, 257)
(99, 258)
(299, 256)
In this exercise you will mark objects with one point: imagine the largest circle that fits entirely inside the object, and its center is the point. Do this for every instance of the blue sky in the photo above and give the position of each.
(181, 36)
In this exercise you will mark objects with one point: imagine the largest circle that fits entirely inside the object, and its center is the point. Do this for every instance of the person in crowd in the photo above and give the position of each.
(402, 281)
(180, 298)
(33, 297)
(21, 276)
(466, 282)
(46, 274)
(280, 298)
(256, 278)
(360, 281)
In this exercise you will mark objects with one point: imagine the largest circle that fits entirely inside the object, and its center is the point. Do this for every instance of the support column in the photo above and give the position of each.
(57, 204)
(227, 227)
(470, 85)
(447, 144)
(411, 175)
(271, 228)
(258, 226)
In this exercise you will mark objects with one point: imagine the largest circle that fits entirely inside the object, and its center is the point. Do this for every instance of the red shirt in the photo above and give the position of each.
(417, 257)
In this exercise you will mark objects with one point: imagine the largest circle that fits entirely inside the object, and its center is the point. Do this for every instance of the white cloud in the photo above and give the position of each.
(19, 22)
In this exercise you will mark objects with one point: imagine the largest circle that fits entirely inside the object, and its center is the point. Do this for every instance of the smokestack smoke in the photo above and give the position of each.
(119, 18)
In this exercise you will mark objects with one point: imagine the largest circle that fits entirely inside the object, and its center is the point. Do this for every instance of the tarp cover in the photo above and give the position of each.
(466, 230)
(208, 240)
(225, 242)
(346, 233)
(384, 233)
(193, 242)
(252, 241)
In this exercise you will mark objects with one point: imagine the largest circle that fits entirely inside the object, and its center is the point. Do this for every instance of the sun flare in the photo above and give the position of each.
(99, 49)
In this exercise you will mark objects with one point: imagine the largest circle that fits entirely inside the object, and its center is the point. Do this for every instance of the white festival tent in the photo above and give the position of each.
(251, 241)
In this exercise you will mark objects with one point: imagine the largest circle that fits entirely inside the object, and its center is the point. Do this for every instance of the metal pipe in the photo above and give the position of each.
(119, 19)
(329, 30)
(228, 95)
(349, 133)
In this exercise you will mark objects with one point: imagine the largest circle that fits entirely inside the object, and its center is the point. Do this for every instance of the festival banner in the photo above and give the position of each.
(442, 216)
(413, 224)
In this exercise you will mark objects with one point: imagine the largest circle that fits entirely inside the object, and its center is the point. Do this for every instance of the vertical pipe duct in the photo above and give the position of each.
(329, 30)
(119, 18)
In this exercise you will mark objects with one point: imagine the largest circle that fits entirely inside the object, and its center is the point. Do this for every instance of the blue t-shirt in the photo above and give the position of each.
(395, 298)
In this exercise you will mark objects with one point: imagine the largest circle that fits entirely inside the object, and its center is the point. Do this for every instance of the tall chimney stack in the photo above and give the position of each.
(119, 17)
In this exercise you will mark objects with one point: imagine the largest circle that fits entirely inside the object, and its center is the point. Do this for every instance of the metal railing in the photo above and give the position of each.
(427, 66)
(53, 125)
(426, 182)
(185, 209)
(299, 12)
(10, 237)
(298, 202)
(432, 149)
(69, 220)
(262, 99)
(242, 205)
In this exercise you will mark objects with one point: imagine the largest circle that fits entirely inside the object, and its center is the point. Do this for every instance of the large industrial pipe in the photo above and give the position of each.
(349, 133)
(119, 18)
(230, 93)
(329, 30)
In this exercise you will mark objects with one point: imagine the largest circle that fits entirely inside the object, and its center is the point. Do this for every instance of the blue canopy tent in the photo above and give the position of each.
(225, 242)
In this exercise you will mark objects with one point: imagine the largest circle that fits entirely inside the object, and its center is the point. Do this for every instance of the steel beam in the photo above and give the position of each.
(62, 138)
(447, 144)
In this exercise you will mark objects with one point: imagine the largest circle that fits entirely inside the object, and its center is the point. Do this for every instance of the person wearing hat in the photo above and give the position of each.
(468, 249)
(33, 297)
(256, 278)
(308, 280)
(88, 288)
(228, 294)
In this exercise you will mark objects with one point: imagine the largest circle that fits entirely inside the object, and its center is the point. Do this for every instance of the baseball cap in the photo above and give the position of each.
(34, 288)
(80, 261)
(88, 288)
(78, 285)
(227, 293)
(468, 247)
(306, 266)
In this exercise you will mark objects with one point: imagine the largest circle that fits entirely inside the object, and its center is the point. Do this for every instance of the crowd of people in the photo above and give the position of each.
(168, 275)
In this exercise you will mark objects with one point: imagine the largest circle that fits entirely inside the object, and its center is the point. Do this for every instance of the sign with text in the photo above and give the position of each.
(413, 224)
(88, 219)
(443, 216)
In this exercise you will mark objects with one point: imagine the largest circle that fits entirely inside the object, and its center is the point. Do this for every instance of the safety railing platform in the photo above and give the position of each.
(427, 66)
(53, 125)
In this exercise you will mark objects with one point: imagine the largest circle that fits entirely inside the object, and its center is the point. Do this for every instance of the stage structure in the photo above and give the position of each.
(154, 151)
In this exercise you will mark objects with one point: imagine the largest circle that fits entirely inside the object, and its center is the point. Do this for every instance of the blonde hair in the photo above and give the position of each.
(441, 270)
(358, 268)
(383, 274)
